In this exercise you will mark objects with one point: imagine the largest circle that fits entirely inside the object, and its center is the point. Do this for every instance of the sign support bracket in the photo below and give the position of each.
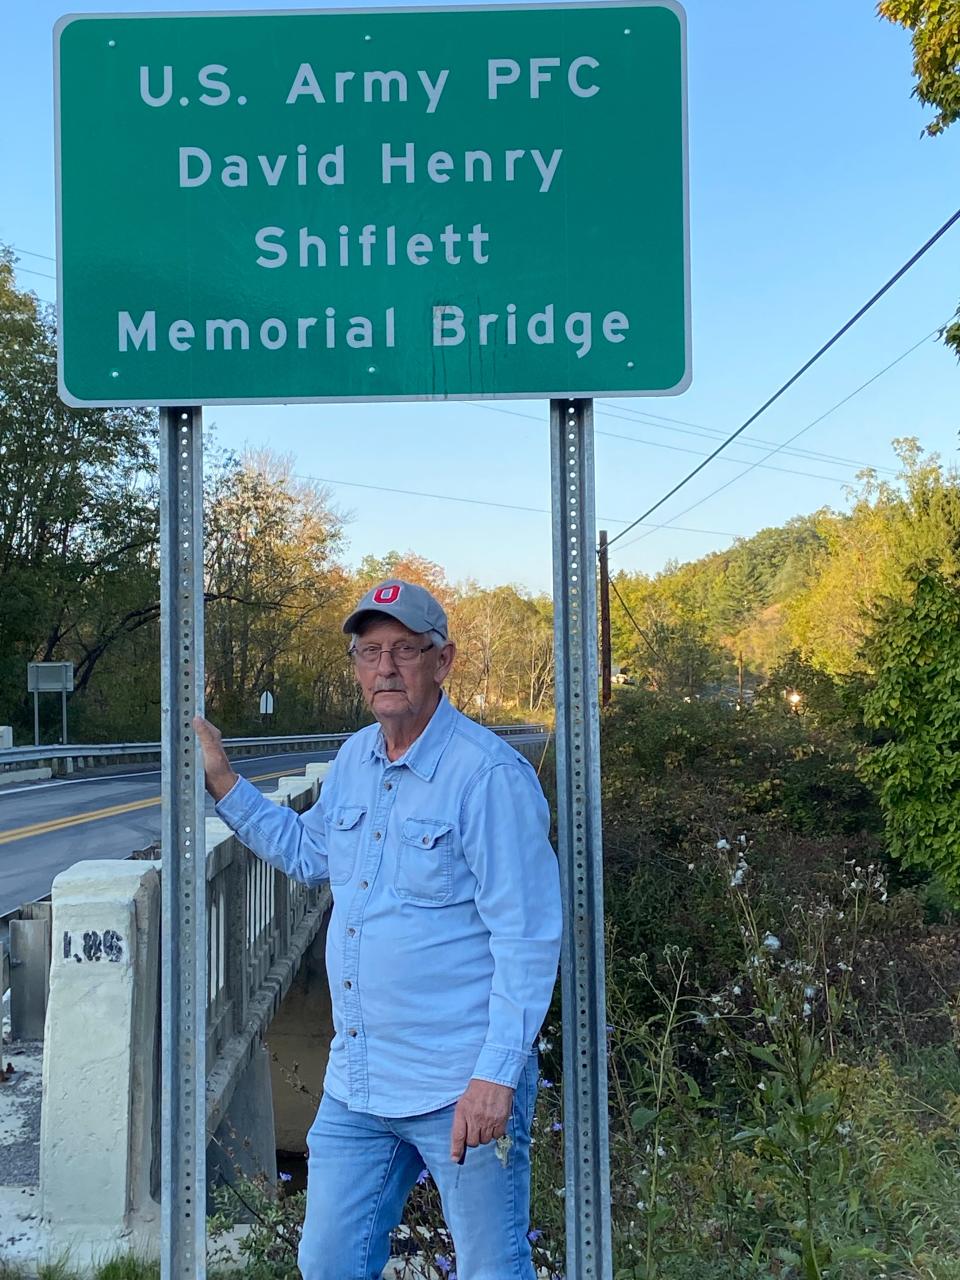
(586, 1138)
(183, 939)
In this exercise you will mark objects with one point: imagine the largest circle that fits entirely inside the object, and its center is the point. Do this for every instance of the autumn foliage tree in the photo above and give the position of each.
(935, 32)
(78, 528)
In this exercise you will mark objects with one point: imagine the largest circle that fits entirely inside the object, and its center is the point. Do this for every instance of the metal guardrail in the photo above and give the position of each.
(12, 757)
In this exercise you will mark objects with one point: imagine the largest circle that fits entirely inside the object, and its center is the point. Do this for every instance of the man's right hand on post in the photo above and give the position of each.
(219, 774)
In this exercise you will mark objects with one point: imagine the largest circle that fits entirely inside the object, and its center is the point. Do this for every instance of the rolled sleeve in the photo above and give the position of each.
(505, 824)
(292, 842)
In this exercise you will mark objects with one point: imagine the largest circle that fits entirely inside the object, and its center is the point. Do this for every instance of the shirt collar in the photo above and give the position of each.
(423, 755)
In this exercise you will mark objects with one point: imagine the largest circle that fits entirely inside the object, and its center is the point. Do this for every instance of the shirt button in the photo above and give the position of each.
(426, 839)
(351, 932)
(376, 835)
(388, 786)
(363, 884)
(352, 1031)
(347, 983)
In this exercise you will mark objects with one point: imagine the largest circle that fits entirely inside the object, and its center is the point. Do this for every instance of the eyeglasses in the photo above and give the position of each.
(403, 654)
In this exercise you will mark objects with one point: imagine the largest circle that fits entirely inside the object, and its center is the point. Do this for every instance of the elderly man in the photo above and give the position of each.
(442, 953)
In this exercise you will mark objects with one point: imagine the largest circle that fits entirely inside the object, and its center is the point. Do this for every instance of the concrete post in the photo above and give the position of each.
(98, 1115)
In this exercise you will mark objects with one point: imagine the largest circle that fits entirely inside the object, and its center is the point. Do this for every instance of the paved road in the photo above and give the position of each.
(45, 827)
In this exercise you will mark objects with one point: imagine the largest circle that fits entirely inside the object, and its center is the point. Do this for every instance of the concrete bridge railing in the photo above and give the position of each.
(99, 1155)
(259, 927)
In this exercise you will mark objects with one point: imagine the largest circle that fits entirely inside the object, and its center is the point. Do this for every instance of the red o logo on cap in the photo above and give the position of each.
(386, 595)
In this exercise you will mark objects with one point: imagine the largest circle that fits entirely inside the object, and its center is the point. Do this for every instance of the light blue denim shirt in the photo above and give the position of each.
(444, 939)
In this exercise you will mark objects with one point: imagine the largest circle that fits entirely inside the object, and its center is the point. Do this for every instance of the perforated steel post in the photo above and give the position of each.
(586, 1138)
(183, 933)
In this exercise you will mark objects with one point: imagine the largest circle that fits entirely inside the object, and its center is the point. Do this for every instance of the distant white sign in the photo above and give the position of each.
(49, 677)
(266, 703)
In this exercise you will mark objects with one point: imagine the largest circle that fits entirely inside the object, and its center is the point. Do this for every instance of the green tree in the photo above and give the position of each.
(935, 28)
(915, 704)
(738, 593)
(78, 528)
(870, 551)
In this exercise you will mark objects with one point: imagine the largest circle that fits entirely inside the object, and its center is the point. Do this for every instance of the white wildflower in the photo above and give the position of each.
(771, 942)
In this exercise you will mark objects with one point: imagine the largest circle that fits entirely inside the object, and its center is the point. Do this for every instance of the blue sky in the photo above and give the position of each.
(810, 184)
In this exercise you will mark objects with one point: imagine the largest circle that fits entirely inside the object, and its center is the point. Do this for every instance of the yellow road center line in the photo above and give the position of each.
(75, 820)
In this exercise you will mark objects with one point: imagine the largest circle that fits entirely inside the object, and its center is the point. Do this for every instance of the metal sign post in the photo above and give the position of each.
(586, 1142)
(183, 943)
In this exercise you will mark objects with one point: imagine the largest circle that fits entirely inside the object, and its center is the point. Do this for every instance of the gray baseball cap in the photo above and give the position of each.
(414, 606)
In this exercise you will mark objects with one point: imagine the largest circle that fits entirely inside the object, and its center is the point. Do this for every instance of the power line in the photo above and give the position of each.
(46, 275)
(699, 431)
(653, 444)
(482, 502)
(942, 230)
(676, 448)
(31, 254)
(746, 471)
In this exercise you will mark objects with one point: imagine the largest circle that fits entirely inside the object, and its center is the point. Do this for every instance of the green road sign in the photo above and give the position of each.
(373, 205)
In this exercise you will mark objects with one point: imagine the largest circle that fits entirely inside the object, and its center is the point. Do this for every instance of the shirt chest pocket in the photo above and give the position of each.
(425, 861)
(346, 831)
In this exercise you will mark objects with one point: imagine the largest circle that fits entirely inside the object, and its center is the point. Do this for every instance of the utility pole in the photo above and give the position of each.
(740, 681)
(605, 655)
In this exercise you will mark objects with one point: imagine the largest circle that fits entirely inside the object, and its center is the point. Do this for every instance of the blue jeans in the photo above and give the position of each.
(361, 1170)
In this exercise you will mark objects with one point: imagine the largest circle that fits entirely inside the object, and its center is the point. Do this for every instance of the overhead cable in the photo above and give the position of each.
(885, 288)
(746, 471)
(655, 444)
(480, 502)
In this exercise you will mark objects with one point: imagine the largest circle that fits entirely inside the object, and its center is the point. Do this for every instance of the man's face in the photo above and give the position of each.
(401, 691)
